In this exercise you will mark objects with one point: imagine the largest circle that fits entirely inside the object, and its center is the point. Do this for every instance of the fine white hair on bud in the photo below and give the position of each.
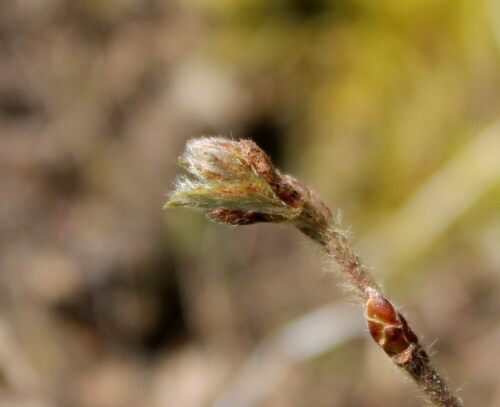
(222, 175)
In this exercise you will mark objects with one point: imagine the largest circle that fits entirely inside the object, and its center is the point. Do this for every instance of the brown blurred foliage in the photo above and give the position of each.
(387, 109)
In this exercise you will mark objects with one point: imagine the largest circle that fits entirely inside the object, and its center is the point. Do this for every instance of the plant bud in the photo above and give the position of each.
(234, 182)
(387, 326)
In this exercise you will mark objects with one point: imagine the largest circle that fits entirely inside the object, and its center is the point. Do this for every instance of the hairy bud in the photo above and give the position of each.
(234, 182)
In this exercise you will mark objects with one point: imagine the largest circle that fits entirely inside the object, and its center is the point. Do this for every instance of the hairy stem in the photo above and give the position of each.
(236, 183)
(387, 326)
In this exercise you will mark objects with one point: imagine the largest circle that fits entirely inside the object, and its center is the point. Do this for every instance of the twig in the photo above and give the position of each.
(236, 183)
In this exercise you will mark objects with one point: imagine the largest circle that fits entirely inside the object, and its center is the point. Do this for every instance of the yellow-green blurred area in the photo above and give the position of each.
(390, 110)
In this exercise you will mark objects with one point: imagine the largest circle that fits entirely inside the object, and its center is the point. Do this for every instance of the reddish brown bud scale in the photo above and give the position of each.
(261, 164)
(387, 326)
(236, 216)
(258, 160)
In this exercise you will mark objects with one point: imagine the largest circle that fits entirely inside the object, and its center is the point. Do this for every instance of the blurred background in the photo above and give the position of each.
(390, 110)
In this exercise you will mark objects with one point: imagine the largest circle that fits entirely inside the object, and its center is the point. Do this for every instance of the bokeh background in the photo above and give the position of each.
(390, 110)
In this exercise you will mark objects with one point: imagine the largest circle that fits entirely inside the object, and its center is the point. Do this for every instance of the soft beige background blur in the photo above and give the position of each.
(390, 110)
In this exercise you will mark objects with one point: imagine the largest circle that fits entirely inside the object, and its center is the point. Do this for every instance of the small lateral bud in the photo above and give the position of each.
(387, 326)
